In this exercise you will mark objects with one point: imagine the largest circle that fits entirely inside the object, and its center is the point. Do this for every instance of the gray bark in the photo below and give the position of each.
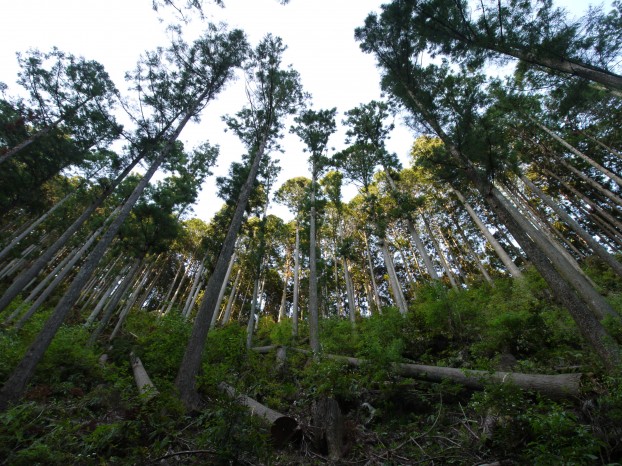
(29, 228)
(496, 246)
(234, 288)
(143, 382)
(598, 249)
(223, 288)
(349, 291)
(59, 278)
(296, 283)
(396, 289)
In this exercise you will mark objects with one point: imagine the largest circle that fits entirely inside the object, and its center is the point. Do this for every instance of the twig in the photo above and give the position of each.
(186, 452)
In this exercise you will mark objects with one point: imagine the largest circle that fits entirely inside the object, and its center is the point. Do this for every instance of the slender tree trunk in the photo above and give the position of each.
(398, 296)
(191, 362)
(170, 288)
(283, 305)
(251, 317)
(413, 231)
(234, 288)
(24, 278)
(349, 291)
(371, 274)
(505, 258)
(578, 195)
(195, 283)
(42, 284)
(131, 300)
(441, 256)
(223, 288)
(112, 305)
(314, 325)
(296, 283)
(26, 231)
(472, 252)
(59, 278)
(594, 184)
(608, 173)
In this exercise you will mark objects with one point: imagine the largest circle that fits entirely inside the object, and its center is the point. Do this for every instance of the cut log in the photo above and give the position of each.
(143, 382)
(554, 386)
(283, 428)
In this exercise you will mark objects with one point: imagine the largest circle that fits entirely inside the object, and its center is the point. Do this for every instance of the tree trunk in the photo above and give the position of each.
(185, 311)
(251, 317)
(223, 288)
(372, 276)
(29, 228)
(191, 362)
(564, 216)
(143, 382)
(102, 301)
(608, 173)
(40, 286)
(349, 291)
(114, 302)
(554, 386)
(282, 428)
(328, 428)
(314, 325)
(594, 184)
(24, 278)
(505, 258)
(396, 289)
(283, 304)
(296, 283)
(59, 278)
(236, 283)
(441, 256)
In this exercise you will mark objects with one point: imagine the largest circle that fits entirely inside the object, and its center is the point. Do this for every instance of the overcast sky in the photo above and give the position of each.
(318, 33)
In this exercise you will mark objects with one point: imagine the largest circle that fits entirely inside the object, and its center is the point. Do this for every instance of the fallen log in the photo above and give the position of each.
(554, 386)
(143, 382)
(283, 428)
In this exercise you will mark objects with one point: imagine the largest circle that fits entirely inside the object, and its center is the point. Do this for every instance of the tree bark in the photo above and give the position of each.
(400, 301)
(282, 428)
(314, 318)
(26, 231)
(608, 173)
(296, 283)
(234, 288)
(191, 362)
(59, 278)
(143, 382)
(349, 291)
(505, 258)
(223, 288)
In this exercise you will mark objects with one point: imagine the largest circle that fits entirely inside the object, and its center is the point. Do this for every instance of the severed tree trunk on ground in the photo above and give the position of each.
(143, 382)
(554, 386)
(282, 428)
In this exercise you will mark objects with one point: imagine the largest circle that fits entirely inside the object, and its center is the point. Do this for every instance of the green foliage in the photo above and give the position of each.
(161, 342)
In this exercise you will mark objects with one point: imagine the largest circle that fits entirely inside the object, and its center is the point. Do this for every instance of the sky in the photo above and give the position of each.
(321, 47)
